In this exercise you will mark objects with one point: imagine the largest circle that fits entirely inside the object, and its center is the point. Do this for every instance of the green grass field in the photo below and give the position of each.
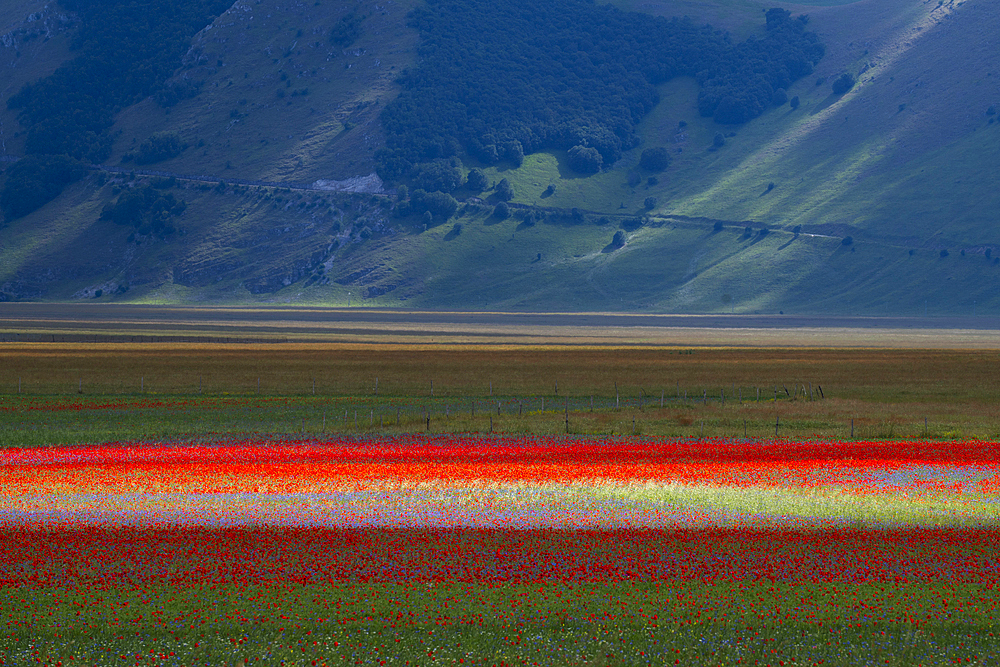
(78, 624)
(77, 393)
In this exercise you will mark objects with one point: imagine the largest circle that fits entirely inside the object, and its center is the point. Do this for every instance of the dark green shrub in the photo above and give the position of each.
(843, 83)
(655, 159)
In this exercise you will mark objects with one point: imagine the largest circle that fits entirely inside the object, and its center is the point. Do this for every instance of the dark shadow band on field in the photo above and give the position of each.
(320, 555)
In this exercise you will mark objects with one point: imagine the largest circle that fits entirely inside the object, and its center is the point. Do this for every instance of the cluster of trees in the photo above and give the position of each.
(739, 84)
(439, 205)
(125, 51)
(502, 78)
(35, 180)
(161, 146)
(147, 209)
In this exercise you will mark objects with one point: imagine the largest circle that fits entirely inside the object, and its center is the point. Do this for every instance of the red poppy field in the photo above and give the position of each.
(493, 550)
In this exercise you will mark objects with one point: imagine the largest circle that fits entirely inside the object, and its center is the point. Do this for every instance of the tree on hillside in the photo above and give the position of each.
(618, 240)
(843, 83)
(438, 175)
(346, 31)
(476, 180)
(514, 151)
(440, 204)
(584, 159)
(655, 159)
(504, 190)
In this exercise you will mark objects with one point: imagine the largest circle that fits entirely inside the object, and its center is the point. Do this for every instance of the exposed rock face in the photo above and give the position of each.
(370, 184)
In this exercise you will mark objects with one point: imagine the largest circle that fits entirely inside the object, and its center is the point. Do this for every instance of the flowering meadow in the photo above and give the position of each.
(495, 550)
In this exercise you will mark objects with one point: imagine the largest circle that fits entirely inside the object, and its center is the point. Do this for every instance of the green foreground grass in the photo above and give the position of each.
(108, 418)
(547, 623)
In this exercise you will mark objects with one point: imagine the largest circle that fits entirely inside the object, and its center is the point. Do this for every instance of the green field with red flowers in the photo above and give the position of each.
(159, 508)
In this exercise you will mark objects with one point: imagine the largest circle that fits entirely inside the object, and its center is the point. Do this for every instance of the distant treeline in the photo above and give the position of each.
(504, 78)
(125, 51)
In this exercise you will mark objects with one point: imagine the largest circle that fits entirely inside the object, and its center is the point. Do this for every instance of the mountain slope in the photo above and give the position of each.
(902, 164)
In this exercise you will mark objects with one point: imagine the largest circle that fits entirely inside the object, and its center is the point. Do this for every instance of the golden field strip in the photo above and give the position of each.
(81, 322)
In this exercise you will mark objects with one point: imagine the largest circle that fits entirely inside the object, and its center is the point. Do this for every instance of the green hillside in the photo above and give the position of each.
(901, 164)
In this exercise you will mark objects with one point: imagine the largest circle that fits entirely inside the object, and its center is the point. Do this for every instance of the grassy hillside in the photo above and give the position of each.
(901, 164)
(279, 101)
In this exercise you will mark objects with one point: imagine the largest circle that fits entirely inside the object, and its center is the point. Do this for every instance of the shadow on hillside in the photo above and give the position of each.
(830, 99)
(454, 232)
(523, 225)
(610, 248)
(565, 172)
